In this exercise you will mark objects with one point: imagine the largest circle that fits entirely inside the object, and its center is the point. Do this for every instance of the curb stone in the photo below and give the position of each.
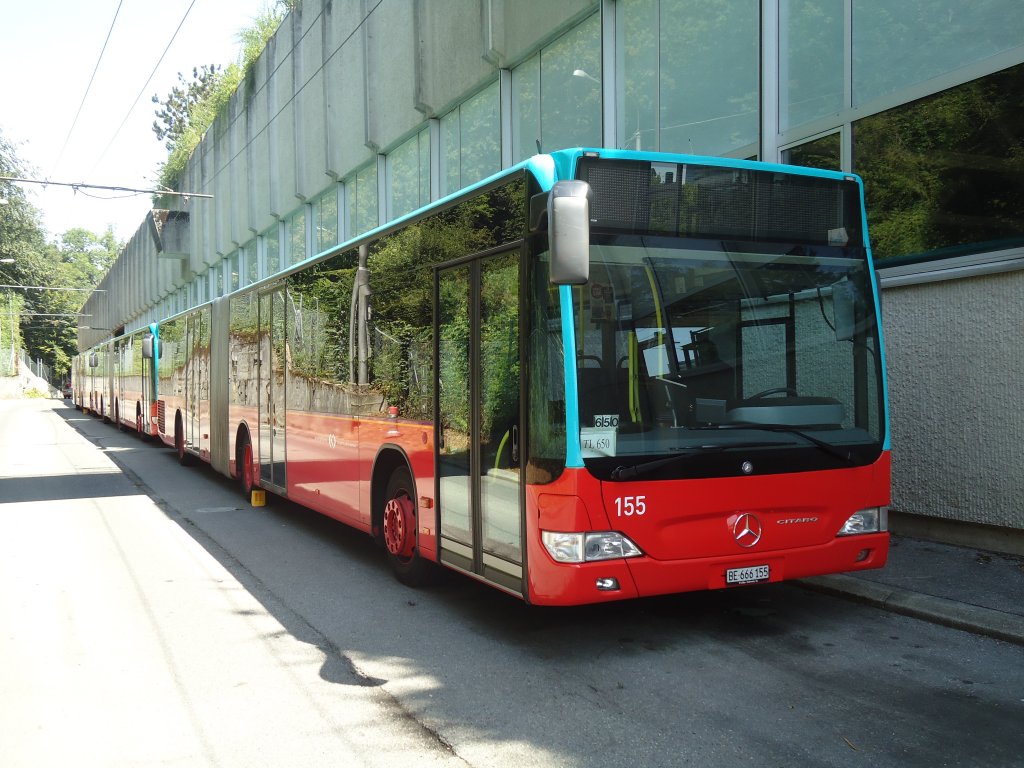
(939, 610)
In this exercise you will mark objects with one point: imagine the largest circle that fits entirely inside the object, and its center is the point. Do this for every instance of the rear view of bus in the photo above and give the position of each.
(720, 356)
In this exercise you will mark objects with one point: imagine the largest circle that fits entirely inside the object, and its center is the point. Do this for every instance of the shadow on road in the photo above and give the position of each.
(765, 672)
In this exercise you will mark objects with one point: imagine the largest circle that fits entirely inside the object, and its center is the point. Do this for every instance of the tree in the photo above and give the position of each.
(88, 255)
(20, 230)
(21, 236)
(188, 111)
(49, 323)
(47, 319)
(174, 117)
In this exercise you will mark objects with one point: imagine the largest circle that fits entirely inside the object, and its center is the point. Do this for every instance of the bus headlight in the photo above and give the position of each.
(871, 520)
(587, 547)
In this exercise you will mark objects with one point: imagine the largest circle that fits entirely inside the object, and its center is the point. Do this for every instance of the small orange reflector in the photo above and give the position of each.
(258, 497)
(426, 502)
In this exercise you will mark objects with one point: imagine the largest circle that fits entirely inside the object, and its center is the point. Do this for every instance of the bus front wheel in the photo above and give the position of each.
(400, 531)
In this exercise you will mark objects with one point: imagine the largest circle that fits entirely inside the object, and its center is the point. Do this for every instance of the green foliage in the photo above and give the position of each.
(255, 38)
(402, 283)
(188, 111)
(47, 319)
(78, 259)
(211, 97)
(943, 174)
(21, 232)
(21, 236)
(173, 119)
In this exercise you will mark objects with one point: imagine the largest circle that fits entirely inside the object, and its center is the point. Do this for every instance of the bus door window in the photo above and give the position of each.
(499, 406)
(272, 387)
(545, 410)
(453, 370)
(479, 417)
(192, 377)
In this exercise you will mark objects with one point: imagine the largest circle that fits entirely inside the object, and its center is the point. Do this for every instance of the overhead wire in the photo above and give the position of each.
(95, 69)
(143, 89)
(273, 117)
(78, 186)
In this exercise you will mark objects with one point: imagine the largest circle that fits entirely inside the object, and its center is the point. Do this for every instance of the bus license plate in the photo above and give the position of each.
(751, 575)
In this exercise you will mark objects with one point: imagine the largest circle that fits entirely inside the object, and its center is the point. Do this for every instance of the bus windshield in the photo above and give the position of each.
(705, 350)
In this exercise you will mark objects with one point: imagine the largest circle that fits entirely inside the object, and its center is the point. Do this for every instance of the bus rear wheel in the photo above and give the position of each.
(400, 532)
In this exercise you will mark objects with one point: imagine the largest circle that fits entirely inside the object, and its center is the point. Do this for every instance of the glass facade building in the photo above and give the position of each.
(923, 100)
(356, 115)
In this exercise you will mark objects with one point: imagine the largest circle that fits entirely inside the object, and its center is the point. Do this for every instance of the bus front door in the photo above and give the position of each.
(480, 491)
(272, 389)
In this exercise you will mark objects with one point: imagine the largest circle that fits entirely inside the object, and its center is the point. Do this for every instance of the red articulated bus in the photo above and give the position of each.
(117, 381)
(133, 381)
(598, 375)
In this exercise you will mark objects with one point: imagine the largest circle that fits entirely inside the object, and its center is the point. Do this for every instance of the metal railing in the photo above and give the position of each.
(37, 366)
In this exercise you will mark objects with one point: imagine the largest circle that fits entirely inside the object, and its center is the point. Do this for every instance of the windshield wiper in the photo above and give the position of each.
(625, 473)
(829, 448)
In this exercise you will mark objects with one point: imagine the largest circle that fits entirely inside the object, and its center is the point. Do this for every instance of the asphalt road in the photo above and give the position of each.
(150, 616)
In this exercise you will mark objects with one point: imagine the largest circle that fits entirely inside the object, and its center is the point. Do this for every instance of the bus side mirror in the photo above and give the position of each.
(147, 346)
(93, 360)
(569, 232)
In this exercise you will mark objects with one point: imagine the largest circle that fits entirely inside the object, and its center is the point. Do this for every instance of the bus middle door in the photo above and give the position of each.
(272, 409)
(480, 492)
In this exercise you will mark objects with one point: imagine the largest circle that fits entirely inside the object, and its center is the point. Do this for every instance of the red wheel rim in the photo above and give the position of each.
(399, 526)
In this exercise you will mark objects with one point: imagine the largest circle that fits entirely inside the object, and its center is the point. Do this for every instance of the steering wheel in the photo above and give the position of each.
(774, 391)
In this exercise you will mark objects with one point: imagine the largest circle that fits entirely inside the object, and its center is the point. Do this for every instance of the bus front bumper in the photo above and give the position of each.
(610, 580)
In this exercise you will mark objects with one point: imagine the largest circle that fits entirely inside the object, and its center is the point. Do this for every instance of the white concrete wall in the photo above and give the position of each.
(955, 360)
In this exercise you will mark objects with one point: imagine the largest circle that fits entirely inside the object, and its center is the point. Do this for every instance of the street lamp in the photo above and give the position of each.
(584, 74)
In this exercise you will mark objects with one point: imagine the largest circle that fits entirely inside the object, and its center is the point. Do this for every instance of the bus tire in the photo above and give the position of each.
(184, 457)
(399, 532)
(244, 467)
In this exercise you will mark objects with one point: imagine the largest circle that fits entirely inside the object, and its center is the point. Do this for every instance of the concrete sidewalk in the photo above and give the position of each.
(961, 587)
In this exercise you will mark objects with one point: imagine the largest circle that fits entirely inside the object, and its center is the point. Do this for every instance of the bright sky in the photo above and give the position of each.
(50, 49)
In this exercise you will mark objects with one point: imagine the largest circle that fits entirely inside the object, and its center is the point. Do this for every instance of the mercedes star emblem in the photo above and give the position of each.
(747, 530)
